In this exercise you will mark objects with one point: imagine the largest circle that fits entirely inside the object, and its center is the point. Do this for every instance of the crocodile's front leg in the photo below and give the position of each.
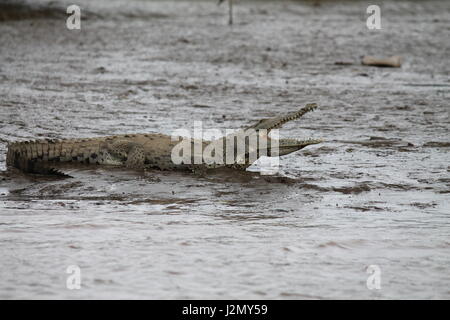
(130, 154)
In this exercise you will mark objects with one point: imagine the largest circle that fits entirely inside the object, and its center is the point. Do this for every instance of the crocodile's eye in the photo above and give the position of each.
(260, 122)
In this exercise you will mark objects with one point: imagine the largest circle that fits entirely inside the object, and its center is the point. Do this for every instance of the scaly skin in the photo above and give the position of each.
(152, 151)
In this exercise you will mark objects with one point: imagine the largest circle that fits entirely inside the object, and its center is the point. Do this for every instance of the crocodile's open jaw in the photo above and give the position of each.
(285, 146)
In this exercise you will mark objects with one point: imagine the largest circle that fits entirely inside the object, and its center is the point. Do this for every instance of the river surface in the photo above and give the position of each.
(374, 196)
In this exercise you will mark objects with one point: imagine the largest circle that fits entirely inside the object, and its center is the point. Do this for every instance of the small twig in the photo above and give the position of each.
(230, 10)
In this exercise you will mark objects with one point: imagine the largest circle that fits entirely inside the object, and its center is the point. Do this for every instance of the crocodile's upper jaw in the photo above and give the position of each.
(277, 122)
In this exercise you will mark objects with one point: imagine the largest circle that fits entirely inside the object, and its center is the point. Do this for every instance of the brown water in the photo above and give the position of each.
(375, 193)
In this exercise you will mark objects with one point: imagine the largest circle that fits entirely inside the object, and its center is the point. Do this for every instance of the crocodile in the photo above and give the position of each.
(156, 151)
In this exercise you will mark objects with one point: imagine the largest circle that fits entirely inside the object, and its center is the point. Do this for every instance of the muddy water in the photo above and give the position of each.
(375, 193)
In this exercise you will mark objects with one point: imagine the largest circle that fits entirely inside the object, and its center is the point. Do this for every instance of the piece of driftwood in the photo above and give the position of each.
(393, 62)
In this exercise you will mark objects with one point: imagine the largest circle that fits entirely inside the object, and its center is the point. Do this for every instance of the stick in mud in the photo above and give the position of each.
(230, 11)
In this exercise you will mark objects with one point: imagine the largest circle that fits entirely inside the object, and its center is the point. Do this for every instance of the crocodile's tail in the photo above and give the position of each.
(40, 156)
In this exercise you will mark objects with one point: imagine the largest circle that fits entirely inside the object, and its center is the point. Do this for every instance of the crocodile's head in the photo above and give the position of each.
(258, 142)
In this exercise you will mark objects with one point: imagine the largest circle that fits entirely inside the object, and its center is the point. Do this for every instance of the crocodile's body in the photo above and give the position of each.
(145, 151)
(122, 150)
